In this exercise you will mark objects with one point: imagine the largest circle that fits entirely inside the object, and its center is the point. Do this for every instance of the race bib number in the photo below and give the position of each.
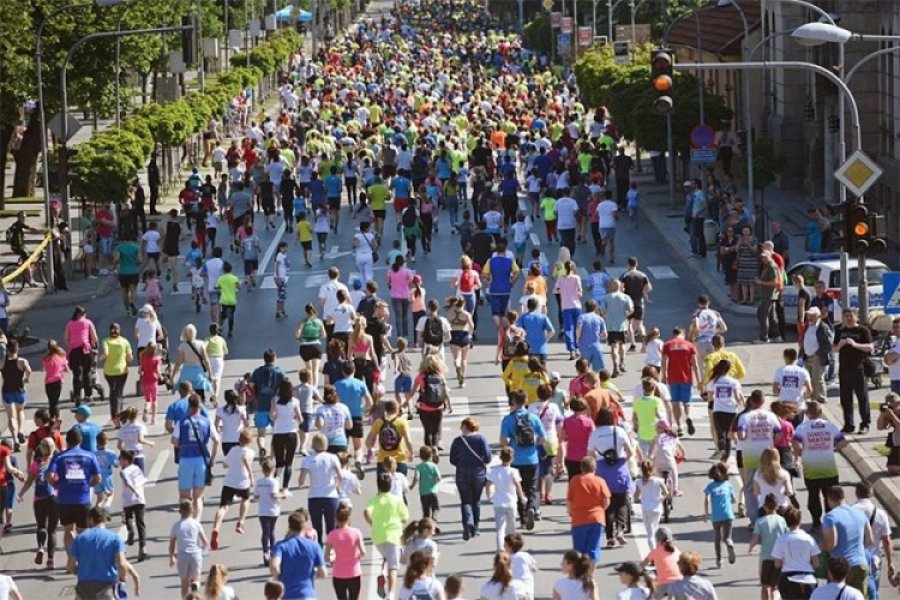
(790, 381)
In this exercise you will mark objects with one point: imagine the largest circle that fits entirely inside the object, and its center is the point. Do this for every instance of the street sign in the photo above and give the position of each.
(567, 24)
(72, 126)
(563, 43)
(555, 19)
(585, 36)
(858, 173)
(890, 286)
(702, 136)
(547, 4)
(621, 52)
(703, 155)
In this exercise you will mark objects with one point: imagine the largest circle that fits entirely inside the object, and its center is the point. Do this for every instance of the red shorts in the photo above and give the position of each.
(400, 204)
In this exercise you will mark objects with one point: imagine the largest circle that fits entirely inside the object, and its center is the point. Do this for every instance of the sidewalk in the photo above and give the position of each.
(790, 209)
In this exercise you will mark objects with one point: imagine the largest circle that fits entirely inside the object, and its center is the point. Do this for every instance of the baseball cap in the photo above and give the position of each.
(630, 567)
(84, 410)
(554, 376)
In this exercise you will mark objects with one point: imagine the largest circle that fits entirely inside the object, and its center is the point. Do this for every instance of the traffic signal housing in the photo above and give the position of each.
(858, 230)
(877, 231)
(662, 80)
(188, 44)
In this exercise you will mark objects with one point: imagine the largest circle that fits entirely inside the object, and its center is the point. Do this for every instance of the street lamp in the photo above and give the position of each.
(128, 4)
(42, 115)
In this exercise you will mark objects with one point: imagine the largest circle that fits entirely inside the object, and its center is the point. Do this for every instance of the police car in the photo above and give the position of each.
(827, 268)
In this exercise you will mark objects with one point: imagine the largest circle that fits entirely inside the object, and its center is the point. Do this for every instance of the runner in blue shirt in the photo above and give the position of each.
(88, 429)
(502, 272)
(73, 472)
(538, 329)
(191, 438)
(524, 433)
(590, 333)
(97, 557)
(354, 395)
(297, 561)
(334, 186)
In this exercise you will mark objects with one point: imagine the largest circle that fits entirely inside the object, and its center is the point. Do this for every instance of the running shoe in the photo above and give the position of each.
(382, 592)
(214, 540)
(690, 427)
(529, 519)
(731, 556)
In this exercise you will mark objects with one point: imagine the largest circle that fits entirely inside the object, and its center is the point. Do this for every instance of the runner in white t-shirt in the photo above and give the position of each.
(792, 382)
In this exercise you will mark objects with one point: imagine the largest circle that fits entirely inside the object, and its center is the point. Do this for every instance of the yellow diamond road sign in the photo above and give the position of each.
(858, 173)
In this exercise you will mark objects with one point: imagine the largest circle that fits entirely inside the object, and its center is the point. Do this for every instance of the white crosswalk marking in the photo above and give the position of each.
(662, 272)
(268, 283)
(502, 405)
(461, 408)
(446, 274)
(447, 486)
(314, 281)
(535, 240)
(157, 468)
(615, 272)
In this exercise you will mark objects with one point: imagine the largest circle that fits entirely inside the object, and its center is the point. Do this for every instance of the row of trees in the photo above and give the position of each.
(104, 166)
(91, 74)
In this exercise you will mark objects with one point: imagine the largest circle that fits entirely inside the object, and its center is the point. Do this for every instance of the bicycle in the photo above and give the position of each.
(39, 275)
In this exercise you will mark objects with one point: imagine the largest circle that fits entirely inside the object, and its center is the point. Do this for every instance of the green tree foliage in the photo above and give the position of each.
(105, 165)
(537, 34)
(626, 91)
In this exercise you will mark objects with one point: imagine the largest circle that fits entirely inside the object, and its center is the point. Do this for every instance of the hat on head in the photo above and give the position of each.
(554, 376)
(630, 567)
(417, 279)
(357, 283)
(662, 425)
(84, 410)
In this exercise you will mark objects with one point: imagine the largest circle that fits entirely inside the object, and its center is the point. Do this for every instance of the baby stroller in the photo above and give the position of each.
(95, 385)
(162, 350)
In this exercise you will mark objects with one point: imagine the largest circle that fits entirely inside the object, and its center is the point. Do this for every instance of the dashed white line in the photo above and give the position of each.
(270, 251)
(156, 469)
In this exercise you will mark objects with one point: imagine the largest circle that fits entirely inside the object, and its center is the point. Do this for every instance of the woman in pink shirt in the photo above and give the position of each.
(399, 279)
(575, 433)
(569, 289)
(345, 550)
(665, 560)
(55, 366)
(81, 340)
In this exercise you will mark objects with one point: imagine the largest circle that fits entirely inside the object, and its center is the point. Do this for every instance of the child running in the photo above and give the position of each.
(107, 459)
(508, 492)
(345, 549)
(720, 496)
(427, 476)
(133, 436)
(268, 495)
(133, 502)
(186, 543)
(650, 491)
(386, 514)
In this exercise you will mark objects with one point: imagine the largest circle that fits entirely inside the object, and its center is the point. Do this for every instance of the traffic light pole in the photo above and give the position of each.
(862, 288)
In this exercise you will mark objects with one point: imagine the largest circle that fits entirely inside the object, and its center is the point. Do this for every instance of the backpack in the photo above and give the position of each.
(513, 337)
(467, 281)
(310, 330)
(433, 392)
(269, 382)
(409, 217)
(389, 437)
(524, 432)
(433, 333)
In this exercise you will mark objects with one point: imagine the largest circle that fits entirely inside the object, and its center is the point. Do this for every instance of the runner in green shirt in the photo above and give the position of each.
(127, 260)
(647, 410)
(378, 194)
(228, 285)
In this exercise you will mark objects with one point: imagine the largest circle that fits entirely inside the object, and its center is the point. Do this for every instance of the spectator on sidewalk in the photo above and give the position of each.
(892, 359)
(815, 348)
(770, 285)
(846, 534)
(889, 417)
(853, 343)
(781, 242)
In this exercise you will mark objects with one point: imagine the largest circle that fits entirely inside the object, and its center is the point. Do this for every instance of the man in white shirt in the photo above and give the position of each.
(707, 323)
(328, 297)
(566, 209)
(607, 215)
(150, 242)
(423, 331)
(792, 383)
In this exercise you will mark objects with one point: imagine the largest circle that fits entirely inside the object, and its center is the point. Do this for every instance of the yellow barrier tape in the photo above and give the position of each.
(31, 258)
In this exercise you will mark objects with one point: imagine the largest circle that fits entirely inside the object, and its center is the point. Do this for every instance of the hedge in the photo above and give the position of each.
(104, 165)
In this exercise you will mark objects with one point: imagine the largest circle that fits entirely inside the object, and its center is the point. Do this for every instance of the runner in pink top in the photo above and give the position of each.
(81, 338)
(399, 280)
(576, 432)
(569, 289)
(344, 548)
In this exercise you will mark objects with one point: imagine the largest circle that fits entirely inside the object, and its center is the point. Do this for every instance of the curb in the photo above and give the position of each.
(714, 289)
(886, 487)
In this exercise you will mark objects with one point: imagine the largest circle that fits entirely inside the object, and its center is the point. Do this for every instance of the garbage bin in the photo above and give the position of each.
(711, 233)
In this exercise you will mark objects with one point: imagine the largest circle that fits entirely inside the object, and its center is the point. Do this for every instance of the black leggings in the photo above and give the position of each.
(132, 514)
(46, 518)
(53, 391)
(723, 422)
(347, 589)
(116, 391)
(431, 423)
(80, 363)
(227, 314)
(722, 533)
(617, 515)
(267, 524)
(411, 245)
(284, 447)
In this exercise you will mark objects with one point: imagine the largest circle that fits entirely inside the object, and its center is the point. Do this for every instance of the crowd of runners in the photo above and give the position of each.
(423, 121)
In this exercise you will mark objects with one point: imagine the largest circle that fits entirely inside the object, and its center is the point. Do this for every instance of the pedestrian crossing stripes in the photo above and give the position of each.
(182, 288)
(446, 274)
(662, 272)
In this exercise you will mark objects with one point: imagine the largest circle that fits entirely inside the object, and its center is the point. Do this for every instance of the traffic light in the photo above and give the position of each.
(878, 229)
(188, 47)
(858, 230)
(662, 80)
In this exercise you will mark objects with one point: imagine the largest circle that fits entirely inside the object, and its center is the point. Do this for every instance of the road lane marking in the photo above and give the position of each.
(273, 245)
(446, 274)
(662, 272)
(535, 240)
(460, 408)
(156, 470)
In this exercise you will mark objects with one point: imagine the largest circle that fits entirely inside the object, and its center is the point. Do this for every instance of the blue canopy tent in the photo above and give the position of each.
(286, 15)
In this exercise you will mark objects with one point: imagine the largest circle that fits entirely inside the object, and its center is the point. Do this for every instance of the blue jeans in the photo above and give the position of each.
(322, 509)
(570, 320)
(470, 484)
(401, 317)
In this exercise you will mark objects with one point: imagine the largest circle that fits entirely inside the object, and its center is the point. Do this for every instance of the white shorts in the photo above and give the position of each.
(189, 564)
(217, 366)
(391, 555)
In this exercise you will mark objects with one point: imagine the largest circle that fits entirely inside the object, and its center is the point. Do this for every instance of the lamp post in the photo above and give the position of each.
(42, 115)
(128, 4)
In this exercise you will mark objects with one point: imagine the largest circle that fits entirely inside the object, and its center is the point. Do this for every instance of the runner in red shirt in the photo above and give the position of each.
(679, 370)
